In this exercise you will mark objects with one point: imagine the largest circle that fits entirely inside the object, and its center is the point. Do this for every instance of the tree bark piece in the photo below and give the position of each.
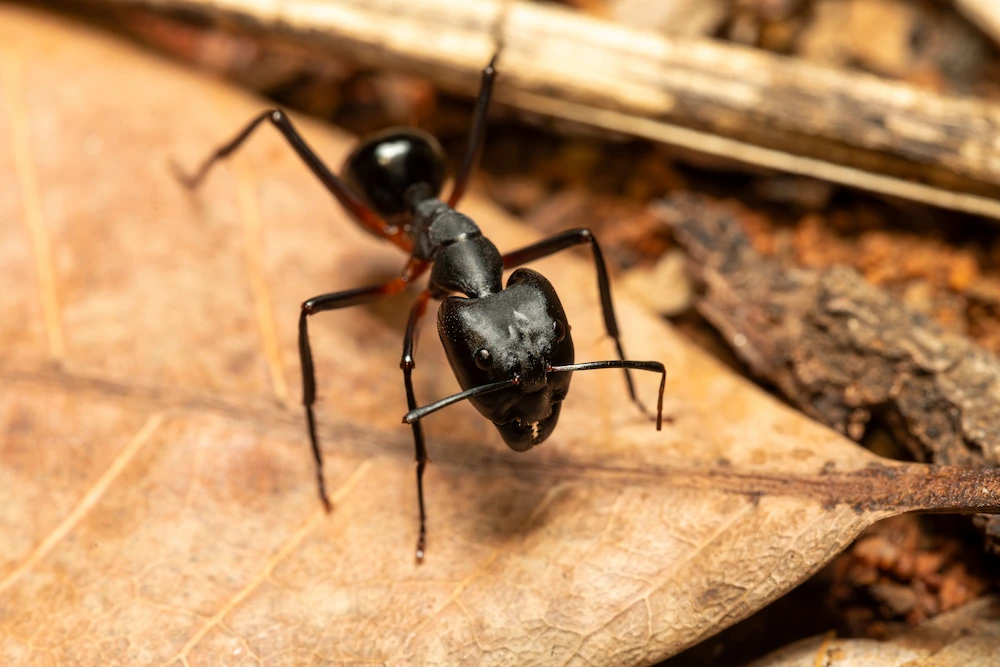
(729, 101)
(841, 349)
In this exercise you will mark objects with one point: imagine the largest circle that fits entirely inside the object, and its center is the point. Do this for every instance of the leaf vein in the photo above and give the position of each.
(264, 573)
(12, 77)
(478, 572)
(250, 214)
(89, 499)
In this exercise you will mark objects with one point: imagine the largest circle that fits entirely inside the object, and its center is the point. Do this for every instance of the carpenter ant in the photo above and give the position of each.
(509, 347)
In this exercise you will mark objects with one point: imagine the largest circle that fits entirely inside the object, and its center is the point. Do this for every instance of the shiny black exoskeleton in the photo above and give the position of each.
(520, 332)
(509, 345)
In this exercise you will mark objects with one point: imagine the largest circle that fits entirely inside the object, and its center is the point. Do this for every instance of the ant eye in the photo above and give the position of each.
(559, 329)
(483, 359)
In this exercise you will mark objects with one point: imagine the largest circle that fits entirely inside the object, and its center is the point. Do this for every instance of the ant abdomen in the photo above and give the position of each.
(388, 163)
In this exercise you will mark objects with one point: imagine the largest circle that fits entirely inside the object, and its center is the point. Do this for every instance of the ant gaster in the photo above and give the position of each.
(509, 347)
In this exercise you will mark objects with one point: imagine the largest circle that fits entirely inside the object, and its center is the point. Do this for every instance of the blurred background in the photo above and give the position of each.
(823, 174)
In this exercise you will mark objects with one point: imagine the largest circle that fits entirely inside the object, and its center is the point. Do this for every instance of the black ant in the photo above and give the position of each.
(509, 347)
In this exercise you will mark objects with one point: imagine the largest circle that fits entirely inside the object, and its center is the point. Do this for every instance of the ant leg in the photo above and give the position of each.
(407, 364)
(333, 301)
(568, 239)
(336, 186)
(476, 134)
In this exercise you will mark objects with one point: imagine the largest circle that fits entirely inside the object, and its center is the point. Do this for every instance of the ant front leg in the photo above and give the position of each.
(333, 301)
(568, 239)
(333, 183)
(407, 363)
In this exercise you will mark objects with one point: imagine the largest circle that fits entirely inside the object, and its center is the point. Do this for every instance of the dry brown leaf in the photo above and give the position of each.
(966, 636)
(159, 505)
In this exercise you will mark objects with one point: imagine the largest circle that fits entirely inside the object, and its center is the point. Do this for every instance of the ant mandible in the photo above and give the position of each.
(509, 347)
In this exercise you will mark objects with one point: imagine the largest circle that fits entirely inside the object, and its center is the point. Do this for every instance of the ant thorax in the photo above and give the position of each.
(464, 260)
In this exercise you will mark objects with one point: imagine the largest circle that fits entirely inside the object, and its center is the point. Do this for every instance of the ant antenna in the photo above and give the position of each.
(419, 413)
(654, 366)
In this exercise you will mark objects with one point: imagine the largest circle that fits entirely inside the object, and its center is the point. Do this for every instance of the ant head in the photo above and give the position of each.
(516, 333)
(388, 163)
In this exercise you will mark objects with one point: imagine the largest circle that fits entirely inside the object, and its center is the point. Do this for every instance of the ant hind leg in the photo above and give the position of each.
(333, 183)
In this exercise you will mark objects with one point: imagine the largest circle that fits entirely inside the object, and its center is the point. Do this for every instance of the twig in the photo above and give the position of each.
(735, 102)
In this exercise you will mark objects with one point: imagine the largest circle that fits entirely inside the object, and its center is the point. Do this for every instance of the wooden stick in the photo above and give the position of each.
(739, 103)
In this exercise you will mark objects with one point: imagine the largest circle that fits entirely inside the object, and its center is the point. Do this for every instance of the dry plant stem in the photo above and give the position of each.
(841, 349)
(732, 102)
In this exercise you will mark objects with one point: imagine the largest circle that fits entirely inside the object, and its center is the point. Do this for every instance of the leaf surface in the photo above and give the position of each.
(160, 505)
